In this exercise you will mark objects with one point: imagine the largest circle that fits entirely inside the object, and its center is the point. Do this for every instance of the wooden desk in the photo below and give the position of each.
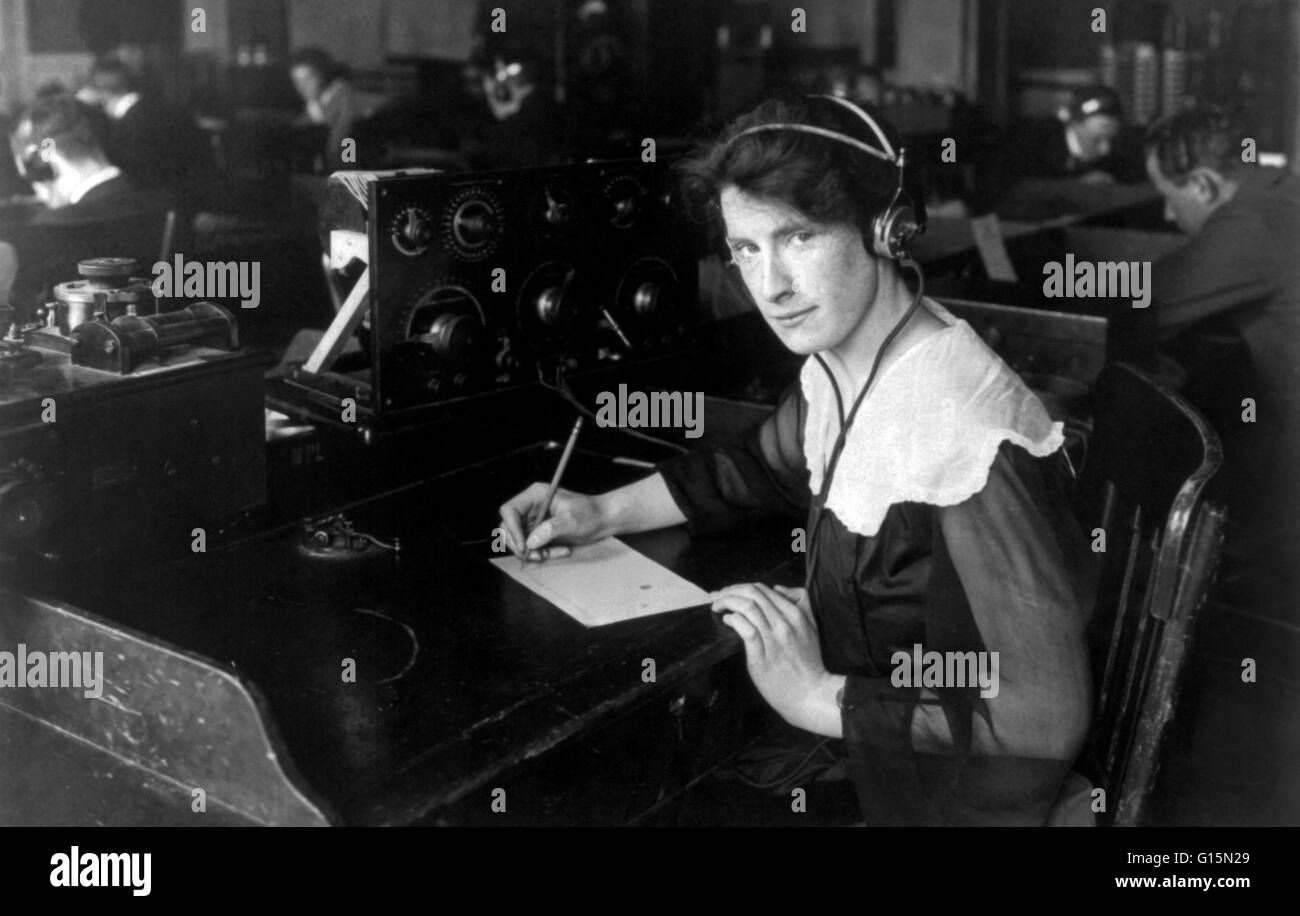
(462, 674)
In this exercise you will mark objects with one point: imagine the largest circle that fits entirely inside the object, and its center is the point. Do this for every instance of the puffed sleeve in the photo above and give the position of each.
(763, 473)
(1010, 573)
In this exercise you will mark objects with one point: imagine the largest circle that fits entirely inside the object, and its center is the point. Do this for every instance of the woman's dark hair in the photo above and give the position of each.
(325, 66)
(826, 180)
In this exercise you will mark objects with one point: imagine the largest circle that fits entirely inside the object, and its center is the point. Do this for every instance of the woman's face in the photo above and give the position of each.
(307, 80)
(813, 282)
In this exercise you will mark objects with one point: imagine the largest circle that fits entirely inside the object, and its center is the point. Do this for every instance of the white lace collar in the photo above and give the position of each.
(928, 431)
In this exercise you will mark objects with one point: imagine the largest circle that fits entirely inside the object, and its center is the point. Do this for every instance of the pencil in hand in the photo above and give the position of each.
(555, 485)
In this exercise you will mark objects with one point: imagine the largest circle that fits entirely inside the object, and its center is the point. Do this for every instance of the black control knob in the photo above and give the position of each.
(646, 298)
(558, 209)
(554, 304)
(451, 336)
(550, 306)
(412, 231)
(625, 209)
(418, 232)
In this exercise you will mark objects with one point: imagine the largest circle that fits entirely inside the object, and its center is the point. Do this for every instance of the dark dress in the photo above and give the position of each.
(1011, 548)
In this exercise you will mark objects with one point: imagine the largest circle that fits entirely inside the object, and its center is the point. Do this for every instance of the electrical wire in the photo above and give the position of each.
(800, 771)
(847, 423)
(561, 387)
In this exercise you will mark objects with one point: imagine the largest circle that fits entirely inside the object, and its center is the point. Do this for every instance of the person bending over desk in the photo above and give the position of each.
(934, 483)
(1236, 279)
(91, 209)
(1080, 143)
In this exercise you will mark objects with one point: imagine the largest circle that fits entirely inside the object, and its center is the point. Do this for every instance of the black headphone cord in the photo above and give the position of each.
(846, 424)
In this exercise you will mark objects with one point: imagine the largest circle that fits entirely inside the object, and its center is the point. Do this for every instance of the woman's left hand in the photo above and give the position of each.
(782, 652)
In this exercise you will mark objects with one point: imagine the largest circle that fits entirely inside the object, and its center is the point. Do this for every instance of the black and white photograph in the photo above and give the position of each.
(650, 413)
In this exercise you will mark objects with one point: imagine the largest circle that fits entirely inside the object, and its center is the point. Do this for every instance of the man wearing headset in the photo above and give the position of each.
(57, 150)
(91, 208)
(932, 481)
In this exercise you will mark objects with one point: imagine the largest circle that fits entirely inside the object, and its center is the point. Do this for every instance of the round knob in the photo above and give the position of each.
(108, 268)
(550, 305)
(418, 231)
(557, 209)
(646, 298)
(625, 208)
(475, 224)
(450, 336)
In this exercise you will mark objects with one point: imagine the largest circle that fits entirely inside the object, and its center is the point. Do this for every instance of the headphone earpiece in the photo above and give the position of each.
(892, 230)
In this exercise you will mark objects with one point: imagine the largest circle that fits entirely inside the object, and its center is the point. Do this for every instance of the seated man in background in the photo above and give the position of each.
(157, 146)
(1079, 143)
(91, 210)
(1234, 290)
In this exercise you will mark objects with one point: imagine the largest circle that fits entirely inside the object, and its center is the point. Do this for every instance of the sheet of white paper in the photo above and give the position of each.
(604, 583)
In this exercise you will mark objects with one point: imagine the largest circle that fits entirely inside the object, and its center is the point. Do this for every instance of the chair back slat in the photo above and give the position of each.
(1151, 457)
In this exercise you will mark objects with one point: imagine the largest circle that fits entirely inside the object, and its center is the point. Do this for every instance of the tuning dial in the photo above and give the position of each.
(445, 324)
(412, 231)
(624, 195)
(473, 224)
(647, 299)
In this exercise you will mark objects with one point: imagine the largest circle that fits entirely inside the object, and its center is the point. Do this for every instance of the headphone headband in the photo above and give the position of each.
(866, 119)
(821, 132)
(894, 227)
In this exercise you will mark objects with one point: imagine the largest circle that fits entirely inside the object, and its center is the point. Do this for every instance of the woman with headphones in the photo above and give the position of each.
(933, 480)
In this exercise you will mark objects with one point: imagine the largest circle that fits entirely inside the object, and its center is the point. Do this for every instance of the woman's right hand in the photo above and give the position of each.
(574, 519)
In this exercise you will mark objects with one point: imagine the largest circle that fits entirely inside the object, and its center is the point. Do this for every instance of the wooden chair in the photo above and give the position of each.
(1151, 457)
